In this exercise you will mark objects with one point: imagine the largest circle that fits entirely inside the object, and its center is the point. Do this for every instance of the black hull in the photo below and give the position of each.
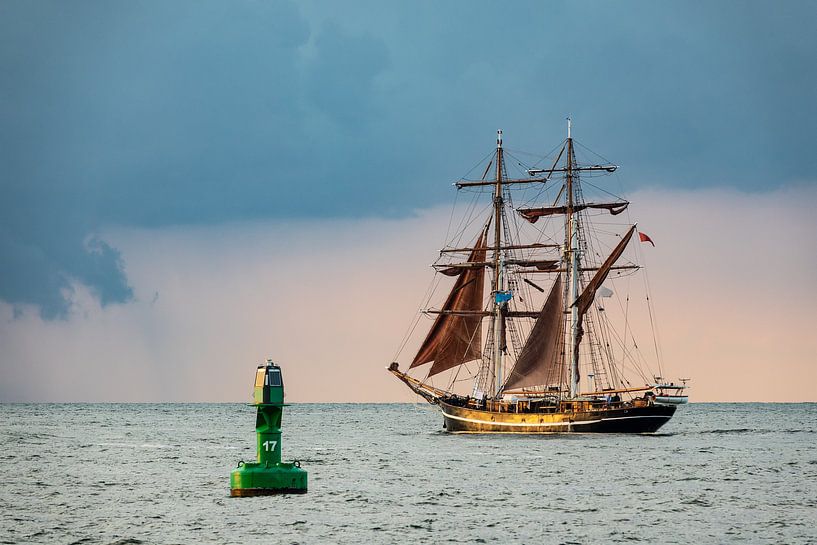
(648, 419)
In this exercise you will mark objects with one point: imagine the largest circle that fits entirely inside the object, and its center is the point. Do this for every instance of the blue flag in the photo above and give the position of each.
(503, 296)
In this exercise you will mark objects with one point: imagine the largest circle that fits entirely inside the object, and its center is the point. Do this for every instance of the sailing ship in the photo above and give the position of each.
(525, 340)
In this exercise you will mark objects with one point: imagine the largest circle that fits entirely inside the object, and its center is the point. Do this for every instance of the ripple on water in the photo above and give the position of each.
(386, 474)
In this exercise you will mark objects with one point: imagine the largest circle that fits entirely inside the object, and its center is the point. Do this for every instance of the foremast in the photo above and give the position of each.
(496, 286)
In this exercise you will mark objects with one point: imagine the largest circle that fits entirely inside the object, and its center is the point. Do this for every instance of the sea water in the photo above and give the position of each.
(716, 473)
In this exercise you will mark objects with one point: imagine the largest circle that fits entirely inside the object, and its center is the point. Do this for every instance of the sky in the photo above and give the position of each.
(189, 187)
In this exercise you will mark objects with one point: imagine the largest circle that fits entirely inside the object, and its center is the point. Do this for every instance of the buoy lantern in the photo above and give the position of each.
(268, 475)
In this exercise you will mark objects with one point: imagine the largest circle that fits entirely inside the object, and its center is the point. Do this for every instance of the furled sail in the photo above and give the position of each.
(457, 338)
(533, 214)
(454, 269)
(539, 264)
(451, 271)
(538, 363)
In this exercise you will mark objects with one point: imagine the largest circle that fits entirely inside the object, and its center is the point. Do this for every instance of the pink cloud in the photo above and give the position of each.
(731, 278)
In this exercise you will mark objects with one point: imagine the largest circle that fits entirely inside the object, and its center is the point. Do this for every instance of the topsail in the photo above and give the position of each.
(533, 214)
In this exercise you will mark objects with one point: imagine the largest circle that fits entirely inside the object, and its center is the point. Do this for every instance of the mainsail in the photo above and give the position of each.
(538, 363)
(456, 336)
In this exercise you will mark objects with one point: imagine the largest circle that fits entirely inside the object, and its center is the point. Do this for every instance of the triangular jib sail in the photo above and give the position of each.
(586, 298)
(584, 301)
(457, 338)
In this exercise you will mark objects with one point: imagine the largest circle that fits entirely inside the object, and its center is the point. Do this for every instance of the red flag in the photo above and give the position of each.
(644, 238)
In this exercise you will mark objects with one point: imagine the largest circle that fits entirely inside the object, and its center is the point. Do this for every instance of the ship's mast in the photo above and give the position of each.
(573, 255)
(497, 280)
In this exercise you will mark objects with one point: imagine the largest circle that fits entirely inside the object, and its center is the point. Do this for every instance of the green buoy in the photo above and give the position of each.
(269, 475)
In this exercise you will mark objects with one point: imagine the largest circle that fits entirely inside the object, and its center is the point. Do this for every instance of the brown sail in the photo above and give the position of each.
(538, 364)
(455, 339)
(589, 294)
(533, 214)
(586, 298)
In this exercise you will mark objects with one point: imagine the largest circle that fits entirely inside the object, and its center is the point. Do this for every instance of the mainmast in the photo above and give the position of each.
(573, 257)
(497, 280)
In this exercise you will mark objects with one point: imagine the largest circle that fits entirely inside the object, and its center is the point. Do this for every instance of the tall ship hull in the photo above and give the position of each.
(528, 322)
(463, 414)
(583, 419)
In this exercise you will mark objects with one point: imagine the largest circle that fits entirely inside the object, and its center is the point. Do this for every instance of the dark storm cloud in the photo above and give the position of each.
(340, 77)
(150, 115)
(160, 113)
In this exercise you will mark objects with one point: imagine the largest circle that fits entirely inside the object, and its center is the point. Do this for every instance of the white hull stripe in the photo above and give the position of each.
(545, 424)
